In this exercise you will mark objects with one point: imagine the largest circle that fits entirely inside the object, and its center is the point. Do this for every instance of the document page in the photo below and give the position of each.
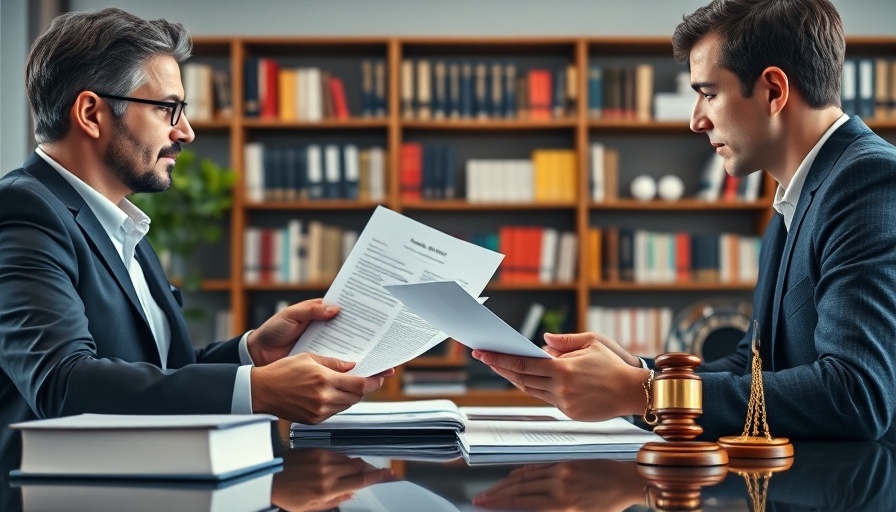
(447, 306)
(373, 328)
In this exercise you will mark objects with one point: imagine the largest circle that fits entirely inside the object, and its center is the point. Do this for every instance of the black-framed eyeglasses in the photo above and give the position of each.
(177, 107)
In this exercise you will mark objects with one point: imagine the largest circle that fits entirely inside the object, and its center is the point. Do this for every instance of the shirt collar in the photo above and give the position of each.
(121, 222)
(786, 199)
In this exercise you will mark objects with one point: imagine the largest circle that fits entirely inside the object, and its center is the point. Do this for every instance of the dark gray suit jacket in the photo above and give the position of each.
(73, 337)
(826, 305)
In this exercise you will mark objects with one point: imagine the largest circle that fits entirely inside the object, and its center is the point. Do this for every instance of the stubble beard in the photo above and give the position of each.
(126, 154)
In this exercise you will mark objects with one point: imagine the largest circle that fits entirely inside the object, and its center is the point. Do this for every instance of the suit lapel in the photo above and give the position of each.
(180, 351)
(766, 296)
(90, 225)
(824, 163)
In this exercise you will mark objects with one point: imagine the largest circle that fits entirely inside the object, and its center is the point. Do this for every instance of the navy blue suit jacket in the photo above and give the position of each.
(826, 305)
(73, 337)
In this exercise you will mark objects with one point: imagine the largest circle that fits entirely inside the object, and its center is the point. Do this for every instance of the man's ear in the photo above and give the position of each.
(88, 114)
(775, 87)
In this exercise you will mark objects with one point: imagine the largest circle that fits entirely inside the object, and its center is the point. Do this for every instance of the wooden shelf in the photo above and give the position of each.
(683, 204)
(514, 138)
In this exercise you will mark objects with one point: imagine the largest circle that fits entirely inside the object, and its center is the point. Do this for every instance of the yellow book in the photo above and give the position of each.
(541, 162)
(287, 79)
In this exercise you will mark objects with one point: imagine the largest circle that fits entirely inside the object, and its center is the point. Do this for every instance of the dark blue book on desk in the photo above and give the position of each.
(173, 447)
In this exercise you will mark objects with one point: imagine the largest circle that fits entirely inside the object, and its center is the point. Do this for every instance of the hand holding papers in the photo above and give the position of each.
(446, 306)
(373, 329)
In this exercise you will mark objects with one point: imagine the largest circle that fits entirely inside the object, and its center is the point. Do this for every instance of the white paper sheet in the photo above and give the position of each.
(450, 308)
(374, 329)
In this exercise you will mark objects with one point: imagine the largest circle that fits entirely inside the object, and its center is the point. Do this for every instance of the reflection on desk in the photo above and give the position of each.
(824, 476)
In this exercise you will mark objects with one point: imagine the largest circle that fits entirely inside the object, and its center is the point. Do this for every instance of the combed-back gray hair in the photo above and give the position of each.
(104, 51)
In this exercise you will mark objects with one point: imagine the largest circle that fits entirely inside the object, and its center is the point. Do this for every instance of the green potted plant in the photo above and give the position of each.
(189, 213)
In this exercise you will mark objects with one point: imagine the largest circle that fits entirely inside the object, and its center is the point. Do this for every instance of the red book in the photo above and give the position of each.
(268, 75)
(540, 94)
(732, 184)
(683, 266)
(530, 247)
(337, 92)
(411, 170)
(507, 247)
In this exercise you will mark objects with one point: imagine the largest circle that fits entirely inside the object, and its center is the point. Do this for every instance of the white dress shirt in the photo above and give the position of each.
(786, 199)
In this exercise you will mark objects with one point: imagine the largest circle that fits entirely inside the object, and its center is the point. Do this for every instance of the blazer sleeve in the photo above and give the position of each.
(844, 327)
(46, 346)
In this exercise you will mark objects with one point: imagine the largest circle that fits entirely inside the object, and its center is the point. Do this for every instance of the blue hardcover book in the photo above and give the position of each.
(595, 92)
(251, 104)
(510, 91)
(449, 172)
(429, 180)
(332, 172)
(466, 90)
(452, 105)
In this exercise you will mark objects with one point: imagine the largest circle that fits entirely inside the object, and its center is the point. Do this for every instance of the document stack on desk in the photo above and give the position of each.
(484, 434)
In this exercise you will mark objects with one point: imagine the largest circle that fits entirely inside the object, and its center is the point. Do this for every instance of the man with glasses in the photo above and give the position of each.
(88, 322)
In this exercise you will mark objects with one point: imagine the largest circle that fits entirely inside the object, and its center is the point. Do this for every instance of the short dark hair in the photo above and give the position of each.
(103, 51)
(802, 37)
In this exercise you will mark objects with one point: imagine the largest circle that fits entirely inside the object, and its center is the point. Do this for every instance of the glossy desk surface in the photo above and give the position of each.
(823, 476)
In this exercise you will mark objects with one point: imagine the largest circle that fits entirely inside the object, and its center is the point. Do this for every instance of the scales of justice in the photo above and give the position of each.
(677, 400)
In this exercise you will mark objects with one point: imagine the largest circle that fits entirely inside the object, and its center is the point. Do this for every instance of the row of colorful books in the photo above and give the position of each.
(485, 90)
(641, 331)
(312, 172)
(309, 94)
(429, 171)
(301, 252)
(620, 92)
(868, 88)
(641, 256)
(532, 254)
(207, 92)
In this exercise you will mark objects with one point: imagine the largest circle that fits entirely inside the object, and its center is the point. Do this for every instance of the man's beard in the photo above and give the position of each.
(125, 154)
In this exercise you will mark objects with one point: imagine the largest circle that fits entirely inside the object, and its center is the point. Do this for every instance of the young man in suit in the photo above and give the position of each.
(767, 78)
(88, 322)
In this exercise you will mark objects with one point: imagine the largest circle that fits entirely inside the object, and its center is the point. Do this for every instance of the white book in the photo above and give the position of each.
(203, 447)
(314, 98)
(533, 318)
(252, 254)
(598, 174)
(550, 240)
(377, 174)
(254, 155)
(567, 255)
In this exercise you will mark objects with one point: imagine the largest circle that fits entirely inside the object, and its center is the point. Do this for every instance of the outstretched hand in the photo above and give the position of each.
(586, 379)
(276, 337)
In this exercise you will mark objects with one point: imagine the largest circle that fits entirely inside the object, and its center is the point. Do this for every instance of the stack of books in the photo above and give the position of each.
(106, 462)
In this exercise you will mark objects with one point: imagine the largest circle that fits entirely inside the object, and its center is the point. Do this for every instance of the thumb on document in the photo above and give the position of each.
(332, 363)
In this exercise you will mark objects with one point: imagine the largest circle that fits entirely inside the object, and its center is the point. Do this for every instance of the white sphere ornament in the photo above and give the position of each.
(671, 188)
(643, 188)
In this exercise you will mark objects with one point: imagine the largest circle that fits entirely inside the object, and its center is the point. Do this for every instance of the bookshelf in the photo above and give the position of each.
(645, 146)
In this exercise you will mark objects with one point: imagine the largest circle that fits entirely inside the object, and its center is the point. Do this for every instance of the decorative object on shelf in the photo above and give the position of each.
(756, 441)
(643, 188)
(670, 187)
(189, 212)
(710, 328)
(675, 400)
